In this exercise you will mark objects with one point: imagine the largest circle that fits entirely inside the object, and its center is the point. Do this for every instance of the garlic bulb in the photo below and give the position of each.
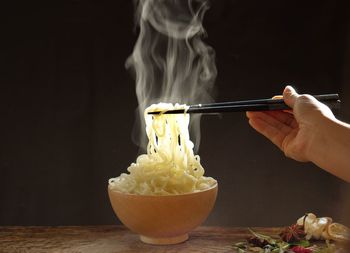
(315, 228)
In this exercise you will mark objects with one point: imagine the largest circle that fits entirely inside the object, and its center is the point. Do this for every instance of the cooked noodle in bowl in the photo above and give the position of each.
(165, 195)
(170, 166)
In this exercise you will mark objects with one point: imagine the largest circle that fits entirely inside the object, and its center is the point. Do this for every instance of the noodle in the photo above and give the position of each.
(170, 166)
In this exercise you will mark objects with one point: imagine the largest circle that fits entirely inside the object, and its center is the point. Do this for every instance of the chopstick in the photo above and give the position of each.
(331, 100)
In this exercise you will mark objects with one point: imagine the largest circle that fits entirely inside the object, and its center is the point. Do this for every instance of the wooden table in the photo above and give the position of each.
(112, 239)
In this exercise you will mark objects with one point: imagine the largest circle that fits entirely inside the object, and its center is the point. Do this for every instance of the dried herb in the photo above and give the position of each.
(261, 237)
(258, 242)
(261, 243)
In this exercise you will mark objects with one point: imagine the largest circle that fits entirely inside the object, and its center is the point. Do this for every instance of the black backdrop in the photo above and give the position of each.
(67, 108)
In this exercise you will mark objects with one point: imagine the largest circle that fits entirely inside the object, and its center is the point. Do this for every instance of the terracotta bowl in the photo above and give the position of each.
(163, 219)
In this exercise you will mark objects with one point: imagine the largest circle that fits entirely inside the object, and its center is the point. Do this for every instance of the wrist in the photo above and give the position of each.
(330, 147)
(320, 139)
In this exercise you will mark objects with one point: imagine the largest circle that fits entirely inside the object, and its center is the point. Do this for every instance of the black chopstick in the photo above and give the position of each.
(331, 100)
(323, 97)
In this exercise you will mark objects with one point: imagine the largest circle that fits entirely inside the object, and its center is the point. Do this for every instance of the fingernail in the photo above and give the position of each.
(288, 88)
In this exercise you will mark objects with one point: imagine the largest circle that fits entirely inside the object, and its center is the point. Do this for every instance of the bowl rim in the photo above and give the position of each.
(166, 196)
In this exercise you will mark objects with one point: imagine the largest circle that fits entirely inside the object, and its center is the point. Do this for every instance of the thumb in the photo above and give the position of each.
(290, 96)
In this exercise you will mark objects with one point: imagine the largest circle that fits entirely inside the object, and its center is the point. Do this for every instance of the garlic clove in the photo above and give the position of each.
(309, 219)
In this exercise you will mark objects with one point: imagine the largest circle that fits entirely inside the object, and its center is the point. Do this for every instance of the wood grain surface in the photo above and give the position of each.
(113, 239)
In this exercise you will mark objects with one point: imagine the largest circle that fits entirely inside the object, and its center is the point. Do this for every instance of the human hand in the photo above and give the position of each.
(293, 131)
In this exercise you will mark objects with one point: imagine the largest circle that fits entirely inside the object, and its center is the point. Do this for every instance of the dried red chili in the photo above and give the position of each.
(300, 249)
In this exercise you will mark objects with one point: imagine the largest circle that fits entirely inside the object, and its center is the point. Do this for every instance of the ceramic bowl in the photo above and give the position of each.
(163, 219)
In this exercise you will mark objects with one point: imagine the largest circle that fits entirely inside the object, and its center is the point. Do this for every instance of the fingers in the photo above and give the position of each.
(269, 126)
(268, 131)
(290, 96)
(266, 116)
(286, 118)
(304, 104)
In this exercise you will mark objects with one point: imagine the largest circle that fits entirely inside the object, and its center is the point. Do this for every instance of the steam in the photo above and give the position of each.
(170, 61)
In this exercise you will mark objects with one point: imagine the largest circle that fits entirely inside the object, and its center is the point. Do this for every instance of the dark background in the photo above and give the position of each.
(67, 108)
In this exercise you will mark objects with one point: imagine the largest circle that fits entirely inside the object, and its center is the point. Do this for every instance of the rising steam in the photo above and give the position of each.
(171, 62)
